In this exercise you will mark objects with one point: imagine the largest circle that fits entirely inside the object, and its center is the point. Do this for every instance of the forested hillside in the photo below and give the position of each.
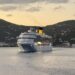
(9, 31)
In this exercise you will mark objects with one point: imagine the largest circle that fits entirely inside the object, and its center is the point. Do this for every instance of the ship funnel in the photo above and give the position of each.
(40, 31)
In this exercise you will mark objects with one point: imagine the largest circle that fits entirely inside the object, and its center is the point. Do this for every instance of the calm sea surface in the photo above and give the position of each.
(61, 61)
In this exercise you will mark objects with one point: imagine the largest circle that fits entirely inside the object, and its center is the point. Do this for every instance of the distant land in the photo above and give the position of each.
(9, 31)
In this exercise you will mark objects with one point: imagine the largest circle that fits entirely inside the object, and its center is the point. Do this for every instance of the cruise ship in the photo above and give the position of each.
(33, 41)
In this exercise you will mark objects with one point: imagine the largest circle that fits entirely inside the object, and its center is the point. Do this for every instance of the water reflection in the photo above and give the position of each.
(46, 60)
(57, 62)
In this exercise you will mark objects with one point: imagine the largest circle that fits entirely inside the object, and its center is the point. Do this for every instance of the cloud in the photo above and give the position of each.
(9, 15)
(57, 1)
(21, 4)
(31, 1)
(33, 9)
(73, 15)
(72, 1)
(59, 7)
(7, 8)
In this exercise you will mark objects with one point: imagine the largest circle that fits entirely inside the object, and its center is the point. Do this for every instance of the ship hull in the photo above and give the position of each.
(27, 48)
(35, 48)
(43, 48)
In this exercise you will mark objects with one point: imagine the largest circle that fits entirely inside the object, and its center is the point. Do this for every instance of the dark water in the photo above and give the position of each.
(61, 61)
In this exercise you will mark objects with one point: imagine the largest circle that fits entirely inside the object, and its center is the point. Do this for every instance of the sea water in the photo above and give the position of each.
(60, 61)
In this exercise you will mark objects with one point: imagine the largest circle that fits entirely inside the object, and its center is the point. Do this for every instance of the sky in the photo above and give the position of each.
(37, 12)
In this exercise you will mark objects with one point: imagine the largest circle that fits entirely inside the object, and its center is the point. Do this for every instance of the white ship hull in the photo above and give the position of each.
(44, 48)
(34, 48)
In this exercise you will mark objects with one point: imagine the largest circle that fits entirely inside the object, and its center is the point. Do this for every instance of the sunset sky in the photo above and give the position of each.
(37, 12)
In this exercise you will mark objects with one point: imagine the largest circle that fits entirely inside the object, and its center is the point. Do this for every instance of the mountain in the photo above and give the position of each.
(9, 31)
(63, 30)
(61, 26)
